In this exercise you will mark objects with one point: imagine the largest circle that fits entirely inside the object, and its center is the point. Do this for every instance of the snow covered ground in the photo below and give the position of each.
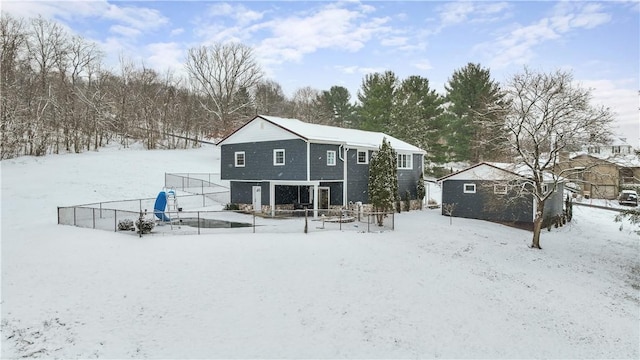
(429, 289)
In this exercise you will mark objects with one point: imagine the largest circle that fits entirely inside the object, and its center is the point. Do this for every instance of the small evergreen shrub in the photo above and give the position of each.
(232, 206)
(407, 201)
(126, 225)
(145, 225)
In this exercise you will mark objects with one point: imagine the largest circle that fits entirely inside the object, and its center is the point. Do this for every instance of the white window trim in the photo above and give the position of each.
(332, 157)
(244, 158)
(464, 188)
(366, 157)
(409, 158)
(500, 189)
(275, 157)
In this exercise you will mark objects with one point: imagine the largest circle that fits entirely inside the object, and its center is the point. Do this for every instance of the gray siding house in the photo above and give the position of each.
(491, 191)
(272, 161)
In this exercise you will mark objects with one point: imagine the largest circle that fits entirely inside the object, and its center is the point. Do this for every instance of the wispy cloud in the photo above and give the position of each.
(329, 27)
(363, 70)
(621, 96)
(517, 45)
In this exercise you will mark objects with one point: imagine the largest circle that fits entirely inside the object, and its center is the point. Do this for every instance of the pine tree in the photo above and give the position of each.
(474, 103)
(383, 180)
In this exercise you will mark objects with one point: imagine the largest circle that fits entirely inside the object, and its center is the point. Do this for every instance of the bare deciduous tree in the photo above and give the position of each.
(548, 115)
(218, 72)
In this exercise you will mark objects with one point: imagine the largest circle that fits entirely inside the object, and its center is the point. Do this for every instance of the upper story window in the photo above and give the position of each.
(278, 157)
(405, 161)
(363, 157)
(239, 158)
(500, 189)
(331, 158)
(469, 188)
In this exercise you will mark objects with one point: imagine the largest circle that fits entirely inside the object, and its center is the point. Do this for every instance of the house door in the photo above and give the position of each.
(257, 198)
(323, 198)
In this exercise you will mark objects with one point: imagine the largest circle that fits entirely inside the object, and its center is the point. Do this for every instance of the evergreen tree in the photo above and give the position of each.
(383, 180)
(420, 189)
(416, 113)
(376, 98)
(474, 102)
(338, 106)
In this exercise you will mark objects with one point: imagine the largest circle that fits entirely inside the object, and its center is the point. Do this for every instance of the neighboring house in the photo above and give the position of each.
(618, 146)
(602, 176)
(273, 162)
(492, 191)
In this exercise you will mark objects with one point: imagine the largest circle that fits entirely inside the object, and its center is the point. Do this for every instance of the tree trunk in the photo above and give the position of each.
(537, 225)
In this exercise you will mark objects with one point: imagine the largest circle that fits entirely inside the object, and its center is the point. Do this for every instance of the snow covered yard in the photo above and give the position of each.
(428, 289)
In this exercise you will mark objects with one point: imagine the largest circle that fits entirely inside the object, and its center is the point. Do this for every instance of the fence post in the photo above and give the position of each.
(369, 222)
(115, 220)
(254, 222)
(93, 211)
(74, 217)
(198, 222)
(101, 210)
(58, 215)
(393, 222)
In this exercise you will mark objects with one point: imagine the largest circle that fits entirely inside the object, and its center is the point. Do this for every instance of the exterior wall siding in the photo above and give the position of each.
(335, 192)
(484, 204)
(357, 178)
(242, 192)
(318, 159)
(259, 161)
(408, 179)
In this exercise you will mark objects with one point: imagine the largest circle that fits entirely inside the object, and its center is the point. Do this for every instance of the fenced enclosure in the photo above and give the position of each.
(201, 199)
(191, 222)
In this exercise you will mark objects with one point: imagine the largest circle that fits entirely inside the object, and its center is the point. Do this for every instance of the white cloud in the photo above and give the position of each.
(359, 69)
(238, 12)
(168, 55)
(394, 41)
(125, 31)
(424, 65)
(518, 44)
(330, 27)
(176, 32)
(621, 96)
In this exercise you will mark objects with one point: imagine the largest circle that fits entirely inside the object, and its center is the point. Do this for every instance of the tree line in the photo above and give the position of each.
(58, 96)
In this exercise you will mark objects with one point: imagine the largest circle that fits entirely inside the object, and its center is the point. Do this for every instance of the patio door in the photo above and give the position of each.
(323, 197)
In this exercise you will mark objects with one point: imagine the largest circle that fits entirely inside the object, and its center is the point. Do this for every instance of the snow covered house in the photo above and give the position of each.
(493, 192)
(274, 162)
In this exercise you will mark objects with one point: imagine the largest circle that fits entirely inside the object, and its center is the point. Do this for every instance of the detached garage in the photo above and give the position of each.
(494, 192)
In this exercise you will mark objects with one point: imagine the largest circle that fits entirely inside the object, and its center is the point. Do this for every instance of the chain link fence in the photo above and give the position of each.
(200, 211)
(191, 222)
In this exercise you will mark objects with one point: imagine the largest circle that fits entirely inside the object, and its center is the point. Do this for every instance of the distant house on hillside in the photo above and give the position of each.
(490, 191)
(617, 146)
(603, 176)
(274, 162)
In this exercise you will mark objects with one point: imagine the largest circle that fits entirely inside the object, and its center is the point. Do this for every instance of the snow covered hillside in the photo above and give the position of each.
(429, 289)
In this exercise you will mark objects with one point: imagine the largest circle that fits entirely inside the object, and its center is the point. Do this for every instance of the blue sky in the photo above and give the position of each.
(325, 43)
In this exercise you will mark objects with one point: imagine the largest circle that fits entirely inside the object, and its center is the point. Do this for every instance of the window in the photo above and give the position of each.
(363, 157)
(239, 156)
(615, 149)
(405, 161)
(469, 188)
(331, 158)
(500, 189)
(278, 157)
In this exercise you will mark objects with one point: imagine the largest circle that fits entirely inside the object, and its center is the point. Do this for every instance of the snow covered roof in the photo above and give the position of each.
(626, 160)
(331, 134)
(517, 170)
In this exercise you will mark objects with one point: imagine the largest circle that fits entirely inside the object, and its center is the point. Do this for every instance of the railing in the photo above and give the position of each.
(97, 216)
